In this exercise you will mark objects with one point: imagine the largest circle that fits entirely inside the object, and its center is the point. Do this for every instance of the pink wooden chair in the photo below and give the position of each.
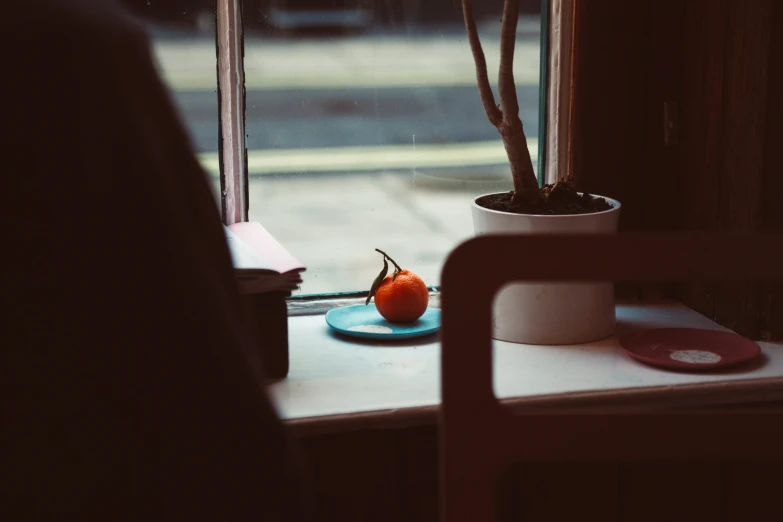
(479, 438)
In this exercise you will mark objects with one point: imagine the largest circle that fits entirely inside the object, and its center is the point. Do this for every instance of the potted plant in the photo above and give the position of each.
(558, 313)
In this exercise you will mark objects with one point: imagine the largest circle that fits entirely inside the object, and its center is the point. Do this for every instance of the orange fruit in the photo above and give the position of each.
(402, 300)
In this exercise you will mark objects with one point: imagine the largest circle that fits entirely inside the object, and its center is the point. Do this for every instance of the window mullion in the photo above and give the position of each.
(231, 102)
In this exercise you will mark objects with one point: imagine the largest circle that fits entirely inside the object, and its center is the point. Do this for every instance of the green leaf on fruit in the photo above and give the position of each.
(377, 282)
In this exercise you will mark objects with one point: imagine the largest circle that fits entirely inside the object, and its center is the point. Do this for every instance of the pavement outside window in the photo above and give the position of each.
(374, 138)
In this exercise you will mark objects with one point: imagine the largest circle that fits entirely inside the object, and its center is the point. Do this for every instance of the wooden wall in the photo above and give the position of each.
(720, 61)
(724, 121)
(375, 475)
(392, 475)
(771, 297)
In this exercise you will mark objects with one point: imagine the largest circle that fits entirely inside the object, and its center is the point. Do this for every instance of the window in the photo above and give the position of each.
(362, 123)
(183, 42)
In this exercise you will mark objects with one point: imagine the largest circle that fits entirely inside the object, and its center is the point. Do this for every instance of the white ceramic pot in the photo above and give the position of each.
(551, 313)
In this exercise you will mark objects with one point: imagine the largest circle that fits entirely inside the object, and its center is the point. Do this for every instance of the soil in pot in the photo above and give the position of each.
(559, 199)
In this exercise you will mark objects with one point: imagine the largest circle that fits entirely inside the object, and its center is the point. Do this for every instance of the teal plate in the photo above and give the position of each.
(364, 321)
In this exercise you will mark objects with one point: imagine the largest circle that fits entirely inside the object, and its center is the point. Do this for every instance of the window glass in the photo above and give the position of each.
(183, 39)
(365, 129)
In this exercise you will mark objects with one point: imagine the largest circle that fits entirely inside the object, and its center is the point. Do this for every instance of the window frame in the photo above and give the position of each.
(232, 153)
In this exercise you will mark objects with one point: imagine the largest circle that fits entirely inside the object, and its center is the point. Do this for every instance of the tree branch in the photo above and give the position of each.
(506, 121)
(485, 91)
(506, 88)
(512, 132)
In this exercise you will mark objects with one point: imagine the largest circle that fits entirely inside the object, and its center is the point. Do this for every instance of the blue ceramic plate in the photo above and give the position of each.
(365, 321)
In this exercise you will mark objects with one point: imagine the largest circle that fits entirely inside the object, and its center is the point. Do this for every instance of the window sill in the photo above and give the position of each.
(340, 384)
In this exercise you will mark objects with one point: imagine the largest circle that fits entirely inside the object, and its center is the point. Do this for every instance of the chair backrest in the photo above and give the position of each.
(479, 438)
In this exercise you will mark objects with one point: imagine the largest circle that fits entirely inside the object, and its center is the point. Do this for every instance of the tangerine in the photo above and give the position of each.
(402, 299)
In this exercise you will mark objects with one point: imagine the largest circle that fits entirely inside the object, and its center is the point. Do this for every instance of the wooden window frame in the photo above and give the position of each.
(232, 152)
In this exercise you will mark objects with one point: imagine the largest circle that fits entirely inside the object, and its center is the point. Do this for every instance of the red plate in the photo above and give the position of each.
(689, 348)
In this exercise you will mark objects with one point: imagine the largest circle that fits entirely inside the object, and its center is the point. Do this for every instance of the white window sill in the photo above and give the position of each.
(336, 383)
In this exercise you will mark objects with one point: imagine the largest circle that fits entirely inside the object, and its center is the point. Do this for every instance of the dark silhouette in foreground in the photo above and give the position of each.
(131, 387)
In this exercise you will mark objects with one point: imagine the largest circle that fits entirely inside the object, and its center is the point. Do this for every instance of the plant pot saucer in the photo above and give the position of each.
(689, 349)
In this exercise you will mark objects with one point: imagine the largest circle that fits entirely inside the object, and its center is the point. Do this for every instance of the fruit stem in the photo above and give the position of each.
(390, 259)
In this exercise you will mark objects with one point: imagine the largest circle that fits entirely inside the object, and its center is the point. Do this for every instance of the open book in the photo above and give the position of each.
(260, 262)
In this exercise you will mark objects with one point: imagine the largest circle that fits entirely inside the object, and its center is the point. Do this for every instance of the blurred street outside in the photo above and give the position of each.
(360, 141)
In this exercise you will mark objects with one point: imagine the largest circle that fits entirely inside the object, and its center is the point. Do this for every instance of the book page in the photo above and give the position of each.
(265, 245)
(244, 257)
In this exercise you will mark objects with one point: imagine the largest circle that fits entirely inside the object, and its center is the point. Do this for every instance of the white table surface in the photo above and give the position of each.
(331, 375)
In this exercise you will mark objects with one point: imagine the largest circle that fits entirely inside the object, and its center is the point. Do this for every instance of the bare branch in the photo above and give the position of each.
(506, 88)
(522, 172)
(506, 121)
(485, 91)
(525, 180)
